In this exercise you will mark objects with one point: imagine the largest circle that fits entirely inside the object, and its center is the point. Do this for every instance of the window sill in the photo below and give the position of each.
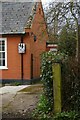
(3, 68)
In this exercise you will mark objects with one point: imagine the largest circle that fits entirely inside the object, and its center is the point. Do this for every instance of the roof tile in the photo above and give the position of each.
(16, 16)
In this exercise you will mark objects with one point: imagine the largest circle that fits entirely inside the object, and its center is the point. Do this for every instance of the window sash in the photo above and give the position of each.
(3, 53)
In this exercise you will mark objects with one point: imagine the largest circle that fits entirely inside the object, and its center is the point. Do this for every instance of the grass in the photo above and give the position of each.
(37, 88)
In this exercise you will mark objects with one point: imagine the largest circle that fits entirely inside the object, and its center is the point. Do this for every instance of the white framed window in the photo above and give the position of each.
(3, 53)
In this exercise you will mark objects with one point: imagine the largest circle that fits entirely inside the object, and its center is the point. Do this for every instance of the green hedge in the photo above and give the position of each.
(70, 87)
(46, 73)
(45, 106)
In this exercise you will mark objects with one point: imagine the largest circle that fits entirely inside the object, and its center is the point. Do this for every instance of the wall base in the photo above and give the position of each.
(24, 81)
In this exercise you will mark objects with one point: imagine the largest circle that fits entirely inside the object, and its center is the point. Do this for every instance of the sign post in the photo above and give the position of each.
(21, 51)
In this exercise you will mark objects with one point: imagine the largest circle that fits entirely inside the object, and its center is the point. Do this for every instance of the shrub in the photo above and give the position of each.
(43, 109)
(45, 105)
(70, 85)
(46, 73)
(72, 115)
(67, 41)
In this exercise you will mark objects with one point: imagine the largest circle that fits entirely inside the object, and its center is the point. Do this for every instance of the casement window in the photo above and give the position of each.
(3, 53)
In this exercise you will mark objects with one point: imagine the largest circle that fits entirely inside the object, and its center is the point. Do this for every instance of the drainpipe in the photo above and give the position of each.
(22, 62)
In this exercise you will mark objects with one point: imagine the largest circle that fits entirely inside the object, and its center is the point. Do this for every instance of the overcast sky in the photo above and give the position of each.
(43, 1)
(46, 1)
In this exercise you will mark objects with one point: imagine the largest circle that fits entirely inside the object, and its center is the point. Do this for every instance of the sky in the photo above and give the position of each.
(43, 1)
(46, 1)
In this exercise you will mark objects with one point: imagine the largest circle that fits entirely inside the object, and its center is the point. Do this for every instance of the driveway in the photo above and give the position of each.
(17, 104)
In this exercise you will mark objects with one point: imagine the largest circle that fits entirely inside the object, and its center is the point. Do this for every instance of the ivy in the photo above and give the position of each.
(70, 86)
(46, 73)
(44, 108)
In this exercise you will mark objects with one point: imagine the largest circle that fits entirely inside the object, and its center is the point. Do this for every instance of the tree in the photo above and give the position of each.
(62, 19)
(60, 14)
(67, 41)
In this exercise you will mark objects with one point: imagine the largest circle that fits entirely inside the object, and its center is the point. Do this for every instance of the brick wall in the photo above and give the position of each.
(35, 48)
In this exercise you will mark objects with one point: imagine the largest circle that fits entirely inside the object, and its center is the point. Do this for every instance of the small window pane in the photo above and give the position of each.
(3, 62)
(0, 54)
(0, 43)
(0, 48)
(3, 48)
(0, 63)
(3, 42)
(3, 55)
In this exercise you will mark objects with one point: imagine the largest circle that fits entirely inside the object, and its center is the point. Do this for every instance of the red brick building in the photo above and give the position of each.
(22, 40)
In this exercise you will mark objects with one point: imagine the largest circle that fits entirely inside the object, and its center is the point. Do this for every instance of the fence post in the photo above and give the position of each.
(56, 68)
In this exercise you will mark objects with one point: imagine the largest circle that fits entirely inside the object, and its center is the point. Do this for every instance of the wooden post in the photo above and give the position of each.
(57, 87)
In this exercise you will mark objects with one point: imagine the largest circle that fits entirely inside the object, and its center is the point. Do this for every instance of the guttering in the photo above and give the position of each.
(17, 33)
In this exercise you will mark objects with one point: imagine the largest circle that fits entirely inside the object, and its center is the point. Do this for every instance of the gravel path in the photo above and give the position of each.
(19, 106)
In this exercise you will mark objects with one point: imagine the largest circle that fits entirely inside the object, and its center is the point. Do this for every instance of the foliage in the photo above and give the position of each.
(72, 115)
(43, 109)
(45, 105)
(70, 85)
(59, 14)
(67, 41)
(16, 83)
(46, 73)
